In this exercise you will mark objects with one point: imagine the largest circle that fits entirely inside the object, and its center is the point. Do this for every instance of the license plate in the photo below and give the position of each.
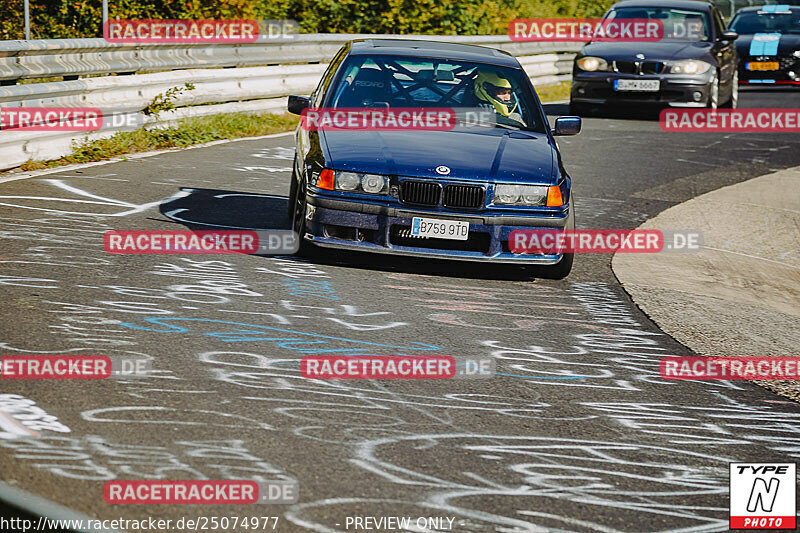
(439, 229)
(763, 65)
(637, 85)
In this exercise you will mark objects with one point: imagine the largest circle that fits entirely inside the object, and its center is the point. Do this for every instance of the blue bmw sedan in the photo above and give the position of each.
(451, 193)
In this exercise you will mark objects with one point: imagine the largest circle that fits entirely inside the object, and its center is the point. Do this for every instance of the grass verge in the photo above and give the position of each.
(199, 130)
(186, 132)
(554, 93)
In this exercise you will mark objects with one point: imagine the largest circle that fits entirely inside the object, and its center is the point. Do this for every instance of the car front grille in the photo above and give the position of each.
(420, 192)
(478, 241)
(464, 196)
(652, 67)
(645, 67)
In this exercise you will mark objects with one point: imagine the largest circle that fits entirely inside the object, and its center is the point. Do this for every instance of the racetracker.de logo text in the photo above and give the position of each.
(14, 119)
(730, 120)
(585, 30)
(378, 119)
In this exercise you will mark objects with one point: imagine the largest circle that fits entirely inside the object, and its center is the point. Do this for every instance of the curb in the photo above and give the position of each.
(40, 507)
(738, 295)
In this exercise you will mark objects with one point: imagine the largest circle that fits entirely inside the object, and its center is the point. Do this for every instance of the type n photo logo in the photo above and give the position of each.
(763, 495)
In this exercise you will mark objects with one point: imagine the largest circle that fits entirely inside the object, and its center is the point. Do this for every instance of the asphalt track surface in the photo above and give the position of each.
(576, 432)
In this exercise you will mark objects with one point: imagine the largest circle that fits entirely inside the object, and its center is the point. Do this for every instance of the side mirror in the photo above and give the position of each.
(567, 126)
(298, 103)
(728, 35)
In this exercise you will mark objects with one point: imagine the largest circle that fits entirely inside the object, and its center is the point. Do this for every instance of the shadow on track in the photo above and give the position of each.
(639, 112)
(207, 209)
(220, 209)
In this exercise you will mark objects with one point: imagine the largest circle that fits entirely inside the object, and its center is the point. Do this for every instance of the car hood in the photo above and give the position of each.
(760, 44)
(662, 50)
(490, 155)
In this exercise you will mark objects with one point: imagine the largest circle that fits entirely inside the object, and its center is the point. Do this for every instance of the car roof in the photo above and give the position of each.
(433, 49)
(783, 7)
(700, 5)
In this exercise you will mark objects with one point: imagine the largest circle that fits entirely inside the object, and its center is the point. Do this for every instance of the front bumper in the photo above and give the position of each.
(788, 72)
(382, 229)
(676, 91)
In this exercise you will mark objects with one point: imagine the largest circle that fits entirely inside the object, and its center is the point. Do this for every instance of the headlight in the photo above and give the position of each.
(374, 184)
(356, 181)
(520, 194)
(796, 53)
(347, 181)
(689, 66)
(592, 64)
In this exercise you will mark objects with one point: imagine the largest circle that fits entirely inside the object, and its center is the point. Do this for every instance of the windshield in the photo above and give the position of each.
(755, 22)
(679, 24)
(396, 81)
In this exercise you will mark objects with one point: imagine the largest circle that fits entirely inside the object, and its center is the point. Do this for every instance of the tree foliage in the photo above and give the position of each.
(58, 19)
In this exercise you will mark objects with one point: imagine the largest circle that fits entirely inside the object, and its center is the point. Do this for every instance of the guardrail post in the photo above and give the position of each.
(27, 20)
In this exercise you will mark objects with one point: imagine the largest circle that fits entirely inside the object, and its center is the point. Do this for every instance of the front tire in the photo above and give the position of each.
(713, 93)
(292, 198)
(298, 217)
(733, 102)
(560, 270)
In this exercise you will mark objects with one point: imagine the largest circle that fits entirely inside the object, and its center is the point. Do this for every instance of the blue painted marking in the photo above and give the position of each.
(765, 44)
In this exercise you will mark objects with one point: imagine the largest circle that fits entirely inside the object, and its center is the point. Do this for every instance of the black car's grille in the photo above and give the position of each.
(645, 67)
(624, 67)
(467, 196)
(652, 67)
(420, 192)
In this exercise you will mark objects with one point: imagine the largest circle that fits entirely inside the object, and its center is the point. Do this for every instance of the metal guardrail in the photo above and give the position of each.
(82, 57)
(254, 77)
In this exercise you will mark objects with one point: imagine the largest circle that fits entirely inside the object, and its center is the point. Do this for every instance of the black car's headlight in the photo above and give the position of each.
(689, 66)
(593, 64)
(360, 182)
(796, 54)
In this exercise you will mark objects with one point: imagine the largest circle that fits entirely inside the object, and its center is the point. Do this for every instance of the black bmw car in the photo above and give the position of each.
(692, 65)
(452, 194)
(768, 44)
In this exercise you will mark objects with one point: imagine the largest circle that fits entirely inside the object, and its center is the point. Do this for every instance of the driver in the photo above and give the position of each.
(494, 92)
